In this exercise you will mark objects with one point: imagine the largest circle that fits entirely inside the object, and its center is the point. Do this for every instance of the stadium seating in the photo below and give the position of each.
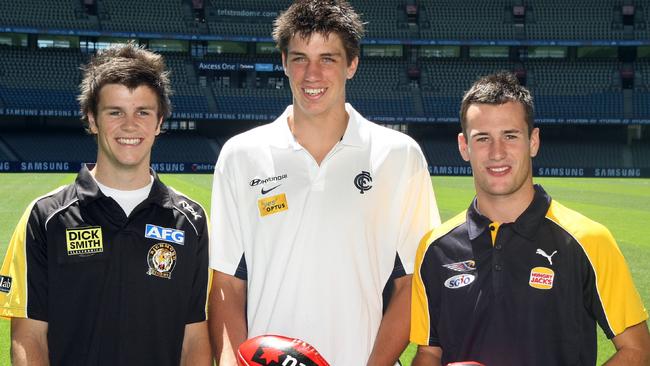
(640, 155)
(188, 96)
(271, 102)
(442, 152)
(465, 20)
(42, 79)
(184, 148)
(163, 16)
(58, 14)
(445, 81)
(58, 146)
(579, 154)
(78, 146)
(581, 90)
(558, 19)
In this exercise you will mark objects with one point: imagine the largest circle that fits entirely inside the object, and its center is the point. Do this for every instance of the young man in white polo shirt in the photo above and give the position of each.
(316, 213)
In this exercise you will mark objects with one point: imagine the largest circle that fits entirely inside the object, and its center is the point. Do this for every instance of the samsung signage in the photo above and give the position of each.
(447, 170)
(560, 172)
(49, 166)
(618, 172)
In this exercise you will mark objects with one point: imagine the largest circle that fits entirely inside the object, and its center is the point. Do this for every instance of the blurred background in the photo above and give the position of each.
(586, 62)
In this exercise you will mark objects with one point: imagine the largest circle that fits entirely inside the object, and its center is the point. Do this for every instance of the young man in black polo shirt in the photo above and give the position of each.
(519, 279)
(112, 269)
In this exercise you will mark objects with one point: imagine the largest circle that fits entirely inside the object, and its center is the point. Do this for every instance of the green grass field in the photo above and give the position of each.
(623, 205)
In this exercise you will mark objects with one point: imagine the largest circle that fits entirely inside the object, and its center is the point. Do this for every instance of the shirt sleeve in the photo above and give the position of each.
(227, 249)
(609, 291)
(202, 278)
(23, 276)
(425, 296)
(419, 214)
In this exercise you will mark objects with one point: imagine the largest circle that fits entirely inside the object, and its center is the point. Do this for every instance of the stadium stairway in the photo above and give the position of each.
(6, 153)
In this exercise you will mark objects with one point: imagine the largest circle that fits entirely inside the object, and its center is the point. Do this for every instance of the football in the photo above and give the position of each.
(272, 350)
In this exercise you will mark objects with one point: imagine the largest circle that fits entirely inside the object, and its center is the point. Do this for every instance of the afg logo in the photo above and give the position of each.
(459, 281)
(164, 234)
(271, 205)
(541, 278)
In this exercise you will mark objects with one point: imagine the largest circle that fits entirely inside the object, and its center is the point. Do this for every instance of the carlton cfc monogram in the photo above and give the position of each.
(362, 181)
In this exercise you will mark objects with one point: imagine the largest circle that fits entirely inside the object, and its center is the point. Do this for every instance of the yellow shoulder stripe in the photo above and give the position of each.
(420, 319)
(13, 304)
(619, 298)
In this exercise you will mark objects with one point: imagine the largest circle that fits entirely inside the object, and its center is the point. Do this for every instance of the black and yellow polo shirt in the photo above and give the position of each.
(114, 290)
(523, 293)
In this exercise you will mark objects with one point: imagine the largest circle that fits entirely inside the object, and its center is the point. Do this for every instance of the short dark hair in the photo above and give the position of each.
(125, 64)
(498, 88)
(306, 17)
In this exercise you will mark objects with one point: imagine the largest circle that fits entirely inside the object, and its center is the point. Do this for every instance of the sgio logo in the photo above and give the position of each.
(459, 281)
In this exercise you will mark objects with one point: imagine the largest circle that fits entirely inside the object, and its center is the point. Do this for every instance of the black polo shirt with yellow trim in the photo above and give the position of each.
(114, 290)
(531, 296)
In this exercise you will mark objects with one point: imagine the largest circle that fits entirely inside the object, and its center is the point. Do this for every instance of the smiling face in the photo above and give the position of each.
(500, 151)
(126, 125)
(317, 69)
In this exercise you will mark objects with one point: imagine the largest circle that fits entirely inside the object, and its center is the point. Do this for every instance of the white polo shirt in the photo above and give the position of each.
(319, 243)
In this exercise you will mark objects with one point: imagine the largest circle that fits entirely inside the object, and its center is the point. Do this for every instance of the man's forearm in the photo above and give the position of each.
(28, 353)
(423, 359)
(29, 343)
(393, 334)
(227, 318)
(629, 357)
(196, 345)
(632, 347)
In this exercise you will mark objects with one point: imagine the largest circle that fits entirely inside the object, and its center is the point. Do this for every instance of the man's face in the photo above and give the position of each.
(126, 125)
(317, 69)
(499, 149)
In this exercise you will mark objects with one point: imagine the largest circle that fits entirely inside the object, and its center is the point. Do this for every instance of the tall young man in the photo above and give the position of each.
(519, 279)
(112, 269)
(317, 212)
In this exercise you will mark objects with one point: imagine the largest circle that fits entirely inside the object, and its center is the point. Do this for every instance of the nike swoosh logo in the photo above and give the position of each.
(265, 191)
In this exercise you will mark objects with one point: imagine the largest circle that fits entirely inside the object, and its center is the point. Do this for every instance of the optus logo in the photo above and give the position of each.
(459, 281)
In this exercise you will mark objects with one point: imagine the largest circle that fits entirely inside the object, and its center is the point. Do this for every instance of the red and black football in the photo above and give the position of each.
(275, 350)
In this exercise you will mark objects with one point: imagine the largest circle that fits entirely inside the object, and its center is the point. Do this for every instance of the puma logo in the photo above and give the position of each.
(543, 254)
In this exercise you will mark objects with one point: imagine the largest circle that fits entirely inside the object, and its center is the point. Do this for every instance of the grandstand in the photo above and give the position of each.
(587, 64)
